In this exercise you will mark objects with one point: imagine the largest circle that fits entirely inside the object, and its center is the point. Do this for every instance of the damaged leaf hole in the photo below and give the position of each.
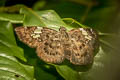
(16, 75)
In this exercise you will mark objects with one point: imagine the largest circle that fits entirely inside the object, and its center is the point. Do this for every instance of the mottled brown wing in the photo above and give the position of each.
(83, 44)
(77, 45)
(51, 49)
(46, 40)
(29, 35)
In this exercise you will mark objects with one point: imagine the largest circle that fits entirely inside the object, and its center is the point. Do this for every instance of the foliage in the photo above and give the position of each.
(19, 62)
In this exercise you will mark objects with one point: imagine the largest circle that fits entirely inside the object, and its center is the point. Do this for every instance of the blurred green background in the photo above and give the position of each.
(102, 15)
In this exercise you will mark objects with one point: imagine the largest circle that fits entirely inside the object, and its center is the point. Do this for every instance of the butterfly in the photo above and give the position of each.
(77, 45)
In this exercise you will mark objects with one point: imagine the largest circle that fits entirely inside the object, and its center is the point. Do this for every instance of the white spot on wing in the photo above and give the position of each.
(36, 36)
(38, 30)
(84, 32)
(32, 34)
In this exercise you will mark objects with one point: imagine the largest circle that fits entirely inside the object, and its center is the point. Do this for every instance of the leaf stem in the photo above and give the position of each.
(74, 21)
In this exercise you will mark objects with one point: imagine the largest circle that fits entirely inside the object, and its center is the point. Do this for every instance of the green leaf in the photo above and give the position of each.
(10, 68)
(47, 18)
(51, 19)
(43, 75)
(31, 18)
(67, 73)
(74, 21)
(7, 40)
(13, 18)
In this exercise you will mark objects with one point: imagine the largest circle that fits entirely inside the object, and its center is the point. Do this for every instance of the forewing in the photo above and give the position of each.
(29, 35)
